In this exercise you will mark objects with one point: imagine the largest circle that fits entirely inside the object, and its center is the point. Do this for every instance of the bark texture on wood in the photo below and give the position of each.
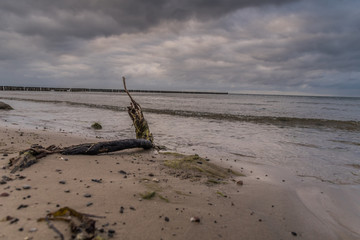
(105, 147)
(135, 112)
(31, 156)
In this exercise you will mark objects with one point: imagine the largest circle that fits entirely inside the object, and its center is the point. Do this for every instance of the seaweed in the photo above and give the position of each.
(81, 225)
(163, 198)
(96, 126)
(148, 195)
(221, 194)
(196, 166)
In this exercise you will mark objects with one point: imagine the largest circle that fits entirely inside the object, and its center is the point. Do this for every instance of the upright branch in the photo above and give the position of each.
(135, 112)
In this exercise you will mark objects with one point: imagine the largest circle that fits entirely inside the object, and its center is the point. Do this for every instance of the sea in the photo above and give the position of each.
(309, 137)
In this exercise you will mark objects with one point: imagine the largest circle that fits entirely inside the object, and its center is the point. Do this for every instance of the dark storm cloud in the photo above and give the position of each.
(90, 18)
(300, 46)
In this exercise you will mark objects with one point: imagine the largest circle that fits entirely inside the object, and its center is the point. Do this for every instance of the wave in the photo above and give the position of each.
(272, 120)
(278, 121)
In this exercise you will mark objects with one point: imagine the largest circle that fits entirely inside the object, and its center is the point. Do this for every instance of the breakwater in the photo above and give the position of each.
(18, 88)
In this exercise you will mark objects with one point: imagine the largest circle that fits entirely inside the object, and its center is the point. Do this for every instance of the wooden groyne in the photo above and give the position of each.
(18, 88)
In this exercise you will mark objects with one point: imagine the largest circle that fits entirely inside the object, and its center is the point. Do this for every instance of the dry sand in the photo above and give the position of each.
(263, 208)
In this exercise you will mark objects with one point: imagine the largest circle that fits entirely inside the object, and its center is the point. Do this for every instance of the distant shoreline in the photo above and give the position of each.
(49, 89)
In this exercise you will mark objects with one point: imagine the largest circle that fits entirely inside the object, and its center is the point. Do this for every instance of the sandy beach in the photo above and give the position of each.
(112, 186)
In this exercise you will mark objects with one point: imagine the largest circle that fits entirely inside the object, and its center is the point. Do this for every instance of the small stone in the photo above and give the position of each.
(294, 234)
(240, 183)
(62, 182)
(21, 229)
(97, 180)
(89, 204)
(22, 206)
(4, 194)
(155, 180)
(14, 220)
(167, 219)
(87, 195)
(67, 191)
(132, 208)
(151, 174)
(195, 219)
(32, 229)
(5, 155)
(121, 209)
(26, 187)
(122, 172)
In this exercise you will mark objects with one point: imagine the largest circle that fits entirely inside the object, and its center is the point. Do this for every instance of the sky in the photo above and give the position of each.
(239, 46)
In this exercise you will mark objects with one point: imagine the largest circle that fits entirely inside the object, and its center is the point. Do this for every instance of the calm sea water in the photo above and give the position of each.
(316, 137)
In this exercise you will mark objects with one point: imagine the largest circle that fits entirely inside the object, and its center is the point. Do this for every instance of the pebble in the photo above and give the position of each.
(22, 206)
(240, 183)
(195, 219)
(62, 182)
(14, 220)
(32, 229)
(89, 204)
(167, 219)
(111, 232)
(26, 187)
(97, 180)
(294, 234)
(121, 209)
(122, 172)
(87, 195)
(4, 194)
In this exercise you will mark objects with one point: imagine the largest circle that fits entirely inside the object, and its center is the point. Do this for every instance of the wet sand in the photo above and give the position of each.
(266, 206)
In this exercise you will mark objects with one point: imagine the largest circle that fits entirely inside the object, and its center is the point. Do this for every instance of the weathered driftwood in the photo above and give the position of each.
(144, 139)
(32, 155)
(105, 147)
(135, 112)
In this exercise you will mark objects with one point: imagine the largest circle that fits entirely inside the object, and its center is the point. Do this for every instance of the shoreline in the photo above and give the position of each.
(262, 208)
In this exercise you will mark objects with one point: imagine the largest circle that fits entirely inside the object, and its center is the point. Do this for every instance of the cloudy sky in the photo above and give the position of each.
(248, 46)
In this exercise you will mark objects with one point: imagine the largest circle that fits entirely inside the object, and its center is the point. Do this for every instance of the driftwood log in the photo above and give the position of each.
(144, 139)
